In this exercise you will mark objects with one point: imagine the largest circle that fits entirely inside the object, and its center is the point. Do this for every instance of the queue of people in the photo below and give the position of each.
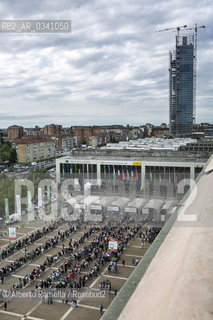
(30, 256)
(29, 239)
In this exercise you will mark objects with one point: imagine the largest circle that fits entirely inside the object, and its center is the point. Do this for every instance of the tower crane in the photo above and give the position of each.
(195, 29)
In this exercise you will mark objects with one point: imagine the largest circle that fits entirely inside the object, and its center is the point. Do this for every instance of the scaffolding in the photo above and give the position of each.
(176, 128)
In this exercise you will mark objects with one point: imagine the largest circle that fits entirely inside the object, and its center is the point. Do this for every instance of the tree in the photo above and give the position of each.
(5, 156)
(5, 148)
(13, 156)
(7, 190)
(36, 176)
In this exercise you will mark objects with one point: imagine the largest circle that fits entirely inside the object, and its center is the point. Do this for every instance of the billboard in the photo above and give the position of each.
(113, 245)
(12, 233)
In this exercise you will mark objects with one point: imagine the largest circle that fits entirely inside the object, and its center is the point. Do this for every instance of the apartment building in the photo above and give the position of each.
(52, 129)
(14, 132)
(34, 149)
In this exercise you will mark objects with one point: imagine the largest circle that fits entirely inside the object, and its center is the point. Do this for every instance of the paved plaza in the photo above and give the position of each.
(18, 308)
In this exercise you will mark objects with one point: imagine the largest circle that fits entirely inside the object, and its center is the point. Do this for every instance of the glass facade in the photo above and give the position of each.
(181, 88)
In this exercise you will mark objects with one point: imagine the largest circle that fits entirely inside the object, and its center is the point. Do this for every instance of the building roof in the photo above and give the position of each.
(120, 158)
(14, 126)
(32, 139)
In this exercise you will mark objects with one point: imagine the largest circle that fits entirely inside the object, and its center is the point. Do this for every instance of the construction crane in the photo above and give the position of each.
(185, 27)
(178, 28)
(174, 29)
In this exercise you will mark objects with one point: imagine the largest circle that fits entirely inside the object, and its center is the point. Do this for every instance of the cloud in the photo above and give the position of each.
(112, 68)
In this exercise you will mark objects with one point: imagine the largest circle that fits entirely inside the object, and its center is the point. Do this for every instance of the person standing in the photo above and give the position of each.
(101, 309)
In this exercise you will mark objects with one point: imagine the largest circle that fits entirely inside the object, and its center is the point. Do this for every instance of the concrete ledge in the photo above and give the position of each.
(129, 287)
(174, 280)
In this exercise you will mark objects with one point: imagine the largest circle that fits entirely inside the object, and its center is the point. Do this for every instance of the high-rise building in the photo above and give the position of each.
(182, 86)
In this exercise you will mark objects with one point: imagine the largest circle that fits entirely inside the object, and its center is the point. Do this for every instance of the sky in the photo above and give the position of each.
(111, 69)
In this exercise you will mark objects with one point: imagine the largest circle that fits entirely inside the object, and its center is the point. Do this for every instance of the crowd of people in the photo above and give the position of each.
(29, 239)
(95, 253)
(82, 259)
(35, 253)
(49, 261)
(150, 234)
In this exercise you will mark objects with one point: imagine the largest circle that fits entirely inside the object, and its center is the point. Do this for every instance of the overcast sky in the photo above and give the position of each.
(112, 68)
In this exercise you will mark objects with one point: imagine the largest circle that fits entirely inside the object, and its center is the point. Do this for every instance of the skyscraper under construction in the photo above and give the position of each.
(182, 86)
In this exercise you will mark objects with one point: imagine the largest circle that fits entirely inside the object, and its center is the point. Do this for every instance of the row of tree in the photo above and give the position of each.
(7, 153)
(7, 188)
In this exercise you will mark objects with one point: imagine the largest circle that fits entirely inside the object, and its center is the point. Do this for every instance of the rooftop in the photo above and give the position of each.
(121, 158)
(32, 139)
(150, 144)
(174, 280)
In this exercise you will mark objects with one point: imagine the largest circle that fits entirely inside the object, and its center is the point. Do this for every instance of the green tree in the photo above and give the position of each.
(13, 156)
(7, 190)
(5, 148)
(5, 156)
(36, 176)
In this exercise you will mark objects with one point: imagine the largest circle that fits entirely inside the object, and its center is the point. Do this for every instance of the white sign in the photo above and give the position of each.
(117, 163)
(145, 210)
(130, 209)
(113, 208)
(113, 245)
(80, 206)
(96, 207)
(12, 233)
(162, 217)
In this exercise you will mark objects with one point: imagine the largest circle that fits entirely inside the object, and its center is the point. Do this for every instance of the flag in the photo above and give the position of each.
(71, 171)
(87, 171)
(119, 175)
(83, 171)
(29, 203)
(104, 172)
(91, 171)
(48, 193)
(114, 175)
(6, 208)
(176, 177)
(123, 174)
(127, 174)
(109, 175)
(63, 169)
(160, 179)
(136, 173)
(150, 176)
(79, 173)
(169, 175)
(75, 170)
(132, 175)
